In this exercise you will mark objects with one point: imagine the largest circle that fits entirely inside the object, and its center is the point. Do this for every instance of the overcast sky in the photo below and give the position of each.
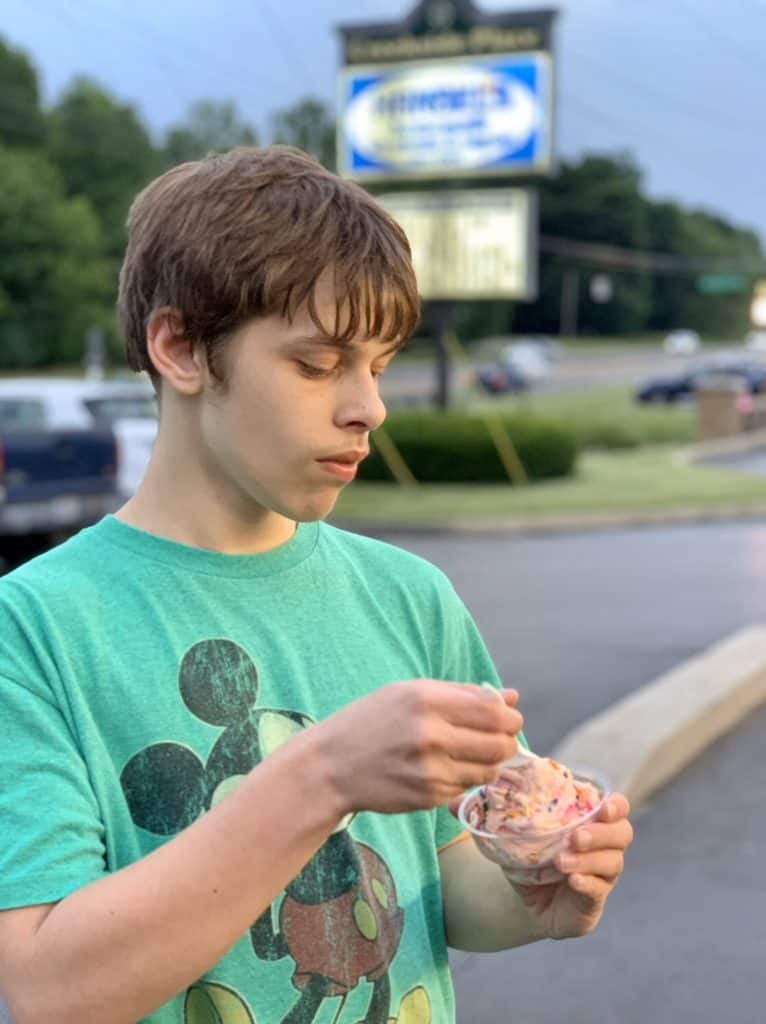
(681, 84)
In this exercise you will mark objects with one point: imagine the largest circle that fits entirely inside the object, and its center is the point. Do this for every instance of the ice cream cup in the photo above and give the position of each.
(527, 855)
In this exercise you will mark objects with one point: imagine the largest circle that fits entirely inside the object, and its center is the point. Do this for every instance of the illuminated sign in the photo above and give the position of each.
(480, 116)
(470, 244)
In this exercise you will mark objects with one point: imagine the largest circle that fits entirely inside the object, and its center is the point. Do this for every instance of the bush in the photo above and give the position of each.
(452, 447)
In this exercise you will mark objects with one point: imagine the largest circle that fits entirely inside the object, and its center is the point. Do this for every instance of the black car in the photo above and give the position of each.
(684, 385)
(501, 379)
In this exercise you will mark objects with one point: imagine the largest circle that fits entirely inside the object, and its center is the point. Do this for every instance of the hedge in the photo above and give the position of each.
(454, 447)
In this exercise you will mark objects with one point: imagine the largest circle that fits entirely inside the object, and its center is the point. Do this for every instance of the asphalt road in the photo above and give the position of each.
(414, 381)
(574, 622)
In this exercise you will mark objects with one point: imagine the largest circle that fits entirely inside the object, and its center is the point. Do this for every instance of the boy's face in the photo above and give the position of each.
(289, 429)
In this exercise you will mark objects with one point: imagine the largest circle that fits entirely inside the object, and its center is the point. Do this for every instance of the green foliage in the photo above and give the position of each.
(209, 127)
(103, 152)
(610, 418)
(310, 126)
(457, 447)
(22, 122)
(598, 199)
(54, 277)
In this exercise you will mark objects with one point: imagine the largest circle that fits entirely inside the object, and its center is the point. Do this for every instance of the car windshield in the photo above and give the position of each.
(21, 414)
(117, 407)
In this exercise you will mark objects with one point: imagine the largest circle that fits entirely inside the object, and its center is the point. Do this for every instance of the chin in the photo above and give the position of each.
(310, 509)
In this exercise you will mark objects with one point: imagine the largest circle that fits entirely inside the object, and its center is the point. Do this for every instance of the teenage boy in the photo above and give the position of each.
(232, 734)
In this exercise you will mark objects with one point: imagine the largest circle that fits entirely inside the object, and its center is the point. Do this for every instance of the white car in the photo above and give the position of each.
(682, 343)
(527, 359)
(755, 341)
(127, 406)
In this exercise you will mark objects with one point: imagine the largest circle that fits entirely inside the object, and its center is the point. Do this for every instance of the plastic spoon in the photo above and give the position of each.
(522, 754)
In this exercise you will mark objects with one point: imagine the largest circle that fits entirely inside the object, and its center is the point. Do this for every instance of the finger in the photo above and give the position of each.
(606, 864)
(591, 890)
(476, 710)
(595, 836)
(483, 748)
(616, 806)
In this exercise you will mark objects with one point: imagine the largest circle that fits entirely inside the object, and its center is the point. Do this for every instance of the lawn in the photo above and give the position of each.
(641, 482)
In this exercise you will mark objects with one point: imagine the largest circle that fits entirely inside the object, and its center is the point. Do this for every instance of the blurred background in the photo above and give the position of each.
(591, 361)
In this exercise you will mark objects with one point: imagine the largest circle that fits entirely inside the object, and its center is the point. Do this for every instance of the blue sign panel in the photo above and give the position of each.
(466, 117)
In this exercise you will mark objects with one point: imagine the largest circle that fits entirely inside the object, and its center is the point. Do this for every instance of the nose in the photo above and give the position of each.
(360, 404)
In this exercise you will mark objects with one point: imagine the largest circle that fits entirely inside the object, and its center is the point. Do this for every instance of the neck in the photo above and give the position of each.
(177, 500)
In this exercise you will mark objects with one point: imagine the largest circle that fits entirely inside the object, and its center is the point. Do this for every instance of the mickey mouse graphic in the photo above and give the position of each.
(339, 919)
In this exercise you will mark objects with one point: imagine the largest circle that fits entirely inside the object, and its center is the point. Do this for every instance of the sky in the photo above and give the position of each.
(679, 84)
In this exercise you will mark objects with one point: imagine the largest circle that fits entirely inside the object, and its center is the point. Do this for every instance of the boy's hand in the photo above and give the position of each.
(414, 745)
(593, 867)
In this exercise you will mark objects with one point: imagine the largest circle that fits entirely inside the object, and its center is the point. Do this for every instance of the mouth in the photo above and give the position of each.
(344, 465)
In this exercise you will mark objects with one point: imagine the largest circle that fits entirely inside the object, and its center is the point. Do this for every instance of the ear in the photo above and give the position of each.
(176, 357)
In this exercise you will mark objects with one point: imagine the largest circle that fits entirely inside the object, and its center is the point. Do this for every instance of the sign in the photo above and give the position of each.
(721, 284)
(457, 117)
(601, 288)
(470, 244)
(449, 91)
(448, 28)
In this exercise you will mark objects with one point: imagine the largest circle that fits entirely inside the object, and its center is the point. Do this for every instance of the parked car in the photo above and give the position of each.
(527, 359)
(684, 385)
(126, 407)
(755, 341)
(52, 482)
(501, 379)
(682, 343)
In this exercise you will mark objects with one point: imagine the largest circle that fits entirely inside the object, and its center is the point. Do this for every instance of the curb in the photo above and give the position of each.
(569, 524)
(643, 740)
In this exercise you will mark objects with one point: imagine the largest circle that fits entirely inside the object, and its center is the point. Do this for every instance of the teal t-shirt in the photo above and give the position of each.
(141, 679)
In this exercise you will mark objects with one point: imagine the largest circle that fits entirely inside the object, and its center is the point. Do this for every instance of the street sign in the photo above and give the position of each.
(469, 117)
(721, 284)
(470, 244)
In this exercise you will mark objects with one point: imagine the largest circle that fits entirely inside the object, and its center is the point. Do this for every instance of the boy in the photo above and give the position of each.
(232, 732)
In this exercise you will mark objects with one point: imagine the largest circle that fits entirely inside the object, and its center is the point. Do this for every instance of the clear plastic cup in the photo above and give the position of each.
(527, 855)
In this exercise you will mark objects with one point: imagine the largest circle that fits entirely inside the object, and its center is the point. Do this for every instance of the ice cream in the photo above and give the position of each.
(537, 794)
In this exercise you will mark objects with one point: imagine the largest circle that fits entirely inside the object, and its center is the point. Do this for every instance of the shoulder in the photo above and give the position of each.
(398, 579)
(381, 559)
(54, 579)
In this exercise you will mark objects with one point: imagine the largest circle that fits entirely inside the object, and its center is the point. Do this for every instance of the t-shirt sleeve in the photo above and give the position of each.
(53, 838)
(465, 658)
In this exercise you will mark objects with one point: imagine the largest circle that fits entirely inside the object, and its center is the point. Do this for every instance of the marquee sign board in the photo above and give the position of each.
(470, 244)
(450, 92)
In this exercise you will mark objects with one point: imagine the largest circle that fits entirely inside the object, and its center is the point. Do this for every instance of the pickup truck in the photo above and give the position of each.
(126, 406)
(51, 484)
(70, 451)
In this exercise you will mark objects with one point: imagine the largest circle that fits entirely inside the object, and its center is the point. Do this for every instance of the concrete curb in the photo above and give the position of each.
(645, 739)
(737, 445)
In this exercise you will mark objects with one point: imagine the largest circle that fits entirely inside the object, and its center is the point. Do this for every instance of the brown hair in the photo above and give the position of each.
(247, 234)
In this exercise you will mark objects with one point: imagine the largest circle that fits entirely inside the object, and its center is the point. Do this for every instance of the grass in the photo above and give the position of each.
(649, 480)
(606, 418)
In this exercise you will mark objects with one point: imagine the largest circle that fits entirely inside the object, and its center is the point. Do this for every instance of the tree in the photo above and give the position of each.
(55, 279)
(22, 122)
(598, 199)
(310, 126)
(103, 152)
(210, 127)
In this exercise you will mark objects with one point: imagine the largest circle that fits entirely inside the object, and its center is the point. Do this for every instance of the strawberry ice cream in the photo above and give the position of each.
(538, 794)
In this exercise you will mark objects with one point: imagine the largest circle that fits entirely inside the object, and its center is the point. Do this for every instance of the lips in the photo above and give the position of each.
(343, 465)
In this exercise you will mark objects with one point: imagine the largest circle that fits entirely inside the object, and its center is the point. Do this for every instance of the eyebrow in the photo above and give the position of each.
(336, 343)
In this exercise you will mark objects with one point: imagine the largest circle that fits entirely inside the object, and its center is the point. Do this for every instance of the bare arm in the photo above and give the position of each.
(482, 912)
(119, 948)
